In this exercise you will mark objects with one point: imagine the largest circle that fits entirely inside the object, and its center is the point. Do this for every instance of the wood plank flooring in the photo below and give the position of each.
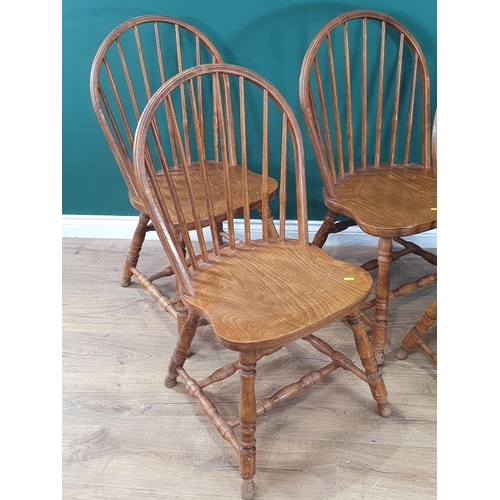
(125, 436)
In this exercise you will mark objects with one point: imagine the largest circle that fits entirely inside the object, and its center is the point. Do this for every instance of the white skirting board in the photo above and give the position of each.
(122, 227)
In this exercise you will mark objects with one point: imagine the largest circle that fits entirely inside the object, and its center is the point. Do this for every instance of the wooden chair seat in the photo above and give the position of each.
(406, 199)
(215, 174)
(267, 295)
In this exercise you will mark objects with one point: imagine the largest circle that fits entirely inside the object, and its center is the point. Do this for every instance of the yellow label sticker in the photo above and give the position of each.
(348, 279)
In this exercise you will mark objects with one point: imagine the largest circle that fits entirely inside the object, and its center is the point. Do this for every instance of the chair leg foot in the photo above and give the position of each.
(384, 409)
(126, 281)
(170, 382)
(247, 489)
(401, 353)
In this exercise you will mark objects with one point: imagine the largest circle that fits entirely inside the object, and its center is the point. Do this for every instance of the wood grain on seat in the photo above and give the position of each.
(390, 201)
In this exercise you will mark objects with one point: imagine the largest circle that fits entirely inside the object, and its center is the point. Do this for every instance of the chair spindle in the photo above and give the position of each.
(364, 117)
(282, 222)
(397, 97)
(411, 106)
(380, 95)
(244, 162)
(350, 134)
(265, 166)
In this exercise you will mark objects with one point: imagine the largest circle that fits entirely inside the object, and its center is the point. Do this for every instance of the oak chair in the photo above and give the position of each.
(415, 339)
(258, 290)
(365, 97)
(133, 61)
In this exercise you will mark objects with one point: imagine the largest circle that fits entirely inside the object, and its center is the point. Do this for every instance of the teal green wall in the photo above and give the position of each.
(269, 37)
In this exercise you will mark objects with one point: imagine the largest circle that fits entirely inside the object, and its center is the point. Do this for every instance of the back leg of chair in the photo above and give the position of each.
(325, 229)
(271, 228)
(220, 228)
(135, 248)
(182, 348)
(415, 336)
(330, 225)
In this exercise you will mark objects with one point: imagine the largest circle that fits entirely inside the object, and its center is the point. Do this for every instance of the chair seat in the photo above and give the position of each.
(406, 199)
(215, 172)
(269, 294)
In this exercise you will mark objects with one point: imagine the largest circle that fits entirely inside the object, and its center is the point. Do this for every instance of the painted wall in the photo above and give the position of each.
(269, 37)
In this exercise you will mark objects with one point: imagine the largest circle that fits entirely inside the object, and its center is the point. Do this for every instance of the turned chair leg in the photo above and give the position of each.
(180, 354)
(325, 229)
(180, 309)
(135, 248)
(382, 290)
(367, 356)
(248, 416)
(415, 336)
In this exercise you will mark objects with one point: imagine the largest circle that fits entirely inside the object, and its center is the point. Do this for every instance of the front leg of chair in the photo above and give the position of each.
(180, 354)
(416, 335)
(248, 416)
(180, 308)
(382, 290)
(325, 229)
(367, 356)
(135, 248)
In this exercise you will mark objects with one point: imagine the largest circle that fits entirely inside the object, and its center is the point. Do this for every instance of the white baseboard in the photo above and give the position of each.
(122, 227)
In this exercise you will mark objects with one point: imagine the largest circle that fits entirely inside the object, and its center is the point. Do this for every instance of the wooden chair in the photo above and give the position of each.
(364, 94)
(415, 337)
(133, 61)
(259, 292)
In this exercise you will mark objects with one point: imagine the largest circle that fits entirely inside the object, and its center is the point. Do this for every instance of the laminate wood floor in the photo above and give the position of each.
(125, 436)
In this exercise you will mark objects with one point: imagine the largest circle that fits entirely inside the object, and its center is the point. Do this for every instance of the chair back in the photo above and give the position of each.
(363, 79)
(198, 112)
(133, 61)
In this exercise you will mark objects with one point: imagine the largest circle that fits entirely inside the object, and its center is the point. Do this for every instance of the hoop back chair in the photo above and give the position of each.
(132, 62)
(258, 291)
(415, 337)
(365, 96)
